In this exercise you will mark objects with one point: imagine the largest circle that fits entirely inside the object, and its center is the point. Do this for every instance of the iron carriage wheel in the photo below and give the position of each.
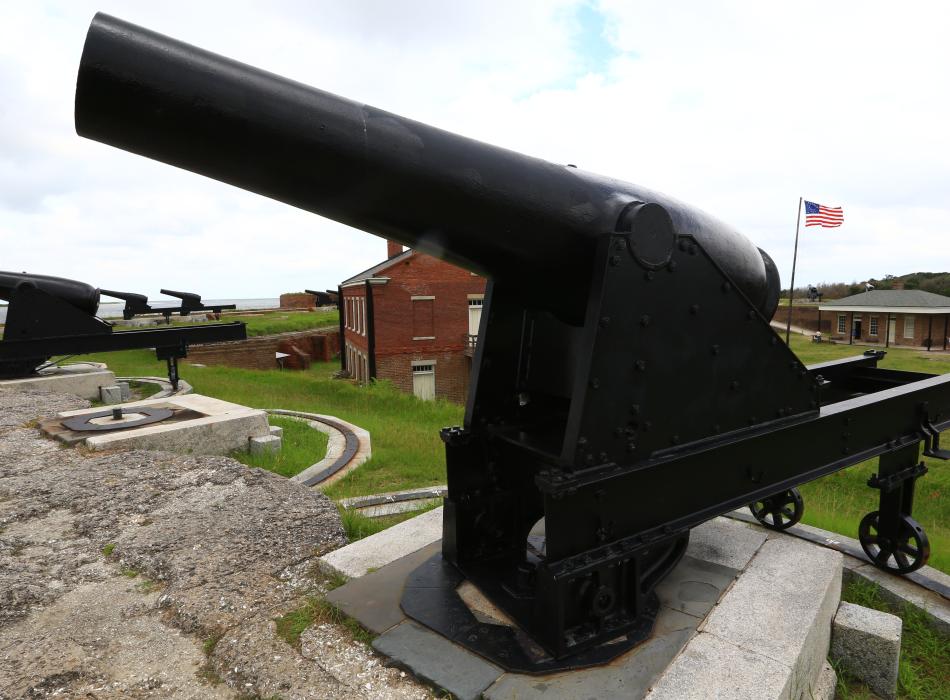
(779, 511)
(906, 552)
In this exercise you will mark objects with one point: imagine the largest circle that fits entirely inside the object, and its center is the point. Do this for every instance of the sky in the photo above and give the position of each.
(738, 108)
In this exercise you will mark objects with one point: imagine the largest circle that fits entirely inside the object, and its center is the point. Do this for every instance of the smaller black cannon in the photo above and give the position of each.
(52, 316)
(137, 304)
(326, 298)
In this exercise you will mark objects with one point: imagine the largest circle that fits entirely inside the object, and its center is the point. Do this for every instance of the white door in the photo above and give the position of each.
(892, 329)
(423, 381)
(474, 315)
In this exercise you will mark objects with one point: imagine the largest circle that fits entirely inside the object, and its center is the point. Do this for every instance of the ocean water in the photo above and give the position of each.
(114, 309)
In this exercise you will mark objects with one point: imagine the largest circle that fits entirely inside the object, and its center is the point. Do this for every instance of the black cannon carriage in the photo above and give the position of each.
(52, 316)
(627, 385)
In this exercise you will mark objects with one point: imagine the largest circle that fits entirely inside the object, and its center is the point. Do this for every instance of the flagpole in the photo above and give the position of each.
(791, 289)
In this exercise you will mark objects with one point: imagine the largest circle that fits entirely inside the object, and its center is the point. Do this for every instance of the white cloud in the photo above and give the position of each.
(738, 108)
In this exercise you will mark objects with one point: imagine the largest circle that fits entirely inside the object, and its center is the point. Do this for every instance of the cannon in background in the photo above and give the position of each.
(627, 385)
(137, 304)
(327, 298)
(52, 316)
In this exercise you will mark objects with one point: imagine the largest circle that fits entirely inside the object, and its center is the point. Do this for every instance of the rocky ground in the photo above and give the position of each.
(148, 574)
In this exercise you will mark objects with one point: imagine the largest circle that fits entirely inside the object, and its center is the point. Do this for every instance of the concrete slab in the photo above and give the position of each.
(867, 644)
(782, 606)
(375, 551)
(217, 427)
(373, 599)
(629, 676)
(265, 444)
(83, 380)
(726, 542)
(438, 661)
(710, 667)
(110, 394)
(694, 586)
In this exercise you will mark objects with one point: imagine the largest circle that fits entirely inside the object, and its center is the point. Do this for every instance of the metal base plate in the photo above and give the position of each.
(430, 598)
(149, 414)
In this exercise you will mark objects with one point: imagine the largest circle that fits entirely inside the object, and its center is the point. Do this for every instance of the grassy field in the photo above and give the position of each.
(924, 671)
(407, 451)
(266, 323)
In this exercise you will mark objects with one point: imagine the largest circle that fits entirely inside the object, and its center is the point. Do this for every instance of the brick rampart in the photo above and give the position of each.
(297, 300)
(320, 344)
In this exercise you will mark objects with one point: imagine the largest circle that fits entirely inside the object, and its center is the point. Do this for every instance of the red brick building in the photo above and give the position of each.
(891, 317)
(412, 319)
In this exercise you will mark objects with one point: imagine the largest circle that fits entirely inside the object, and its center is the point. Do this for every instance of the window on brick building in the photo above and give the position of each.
(423, 318)
(908, 326)
(872, 325)
(842, 323)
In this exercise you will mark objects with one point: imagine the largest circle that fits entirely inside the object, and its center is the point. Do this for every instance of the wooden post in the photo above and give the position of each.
(930, 331)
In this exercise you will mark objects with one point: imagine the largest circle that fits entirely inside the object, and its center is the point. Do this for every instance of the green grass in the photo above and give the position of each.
(316, 610)
(357, 526)
(302, 446)
(267, 323)
(924, 672)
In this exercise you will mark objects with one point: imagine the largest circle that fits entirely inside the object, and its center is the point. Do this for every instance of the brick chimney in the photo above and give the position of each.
(897, 284)
(393, 249)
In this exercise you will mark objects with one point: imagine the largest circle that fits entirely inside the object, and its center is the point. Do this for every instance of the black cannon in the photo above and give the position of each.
(137, 304)
(52, 316)
(627, 385)
(326, 298)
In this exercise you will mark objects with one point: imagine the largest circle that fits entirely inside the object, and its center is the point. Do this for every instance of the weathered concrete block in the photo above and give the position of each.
(110, 394)
(867, 643)
(781, 608)
(432, 658)
(82, 379)
(713, 668)
(266, 444)
(826, 686)
(726, 542)
(277, 431)
(377, 550)
(126, 390)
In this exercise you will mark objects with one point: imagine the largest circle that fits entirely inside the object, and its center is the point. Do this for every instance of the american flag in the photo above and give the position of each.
(820, 215)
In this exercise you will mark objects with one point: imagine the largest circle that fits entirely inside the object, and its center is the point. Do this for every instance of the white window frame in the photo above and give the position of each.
(872, 325)
(910, 327)
(842, 323)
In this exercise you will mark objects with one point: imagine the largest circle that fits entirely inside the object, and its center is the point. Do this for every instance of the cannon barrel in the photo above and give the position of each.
(496, 212)
(83, 296)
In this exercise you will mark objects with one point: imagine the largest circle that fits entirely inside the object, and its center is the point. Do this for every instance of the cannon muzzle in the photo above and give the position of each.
(83, 296)
(502, 214)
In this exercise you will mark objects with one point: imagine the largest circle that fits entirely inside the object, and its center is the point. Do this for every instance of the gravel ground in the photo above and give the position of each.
(116, 569)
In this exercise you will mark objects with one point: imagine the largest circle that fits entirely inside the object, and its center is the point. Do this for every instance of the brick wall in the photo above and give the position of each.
(921, 326)
(297, 300)
(805, 317)
(322, 345)
(452, 371)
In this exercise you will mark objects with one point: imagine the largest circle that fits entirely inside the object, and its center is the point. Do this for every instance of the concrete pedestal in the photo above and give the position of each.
(741, 616)
(199, 425)
(83, 379)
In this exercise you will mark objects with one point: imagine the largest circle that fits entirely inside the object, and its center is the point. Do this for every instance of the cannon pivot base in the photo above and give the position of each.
(431, 597)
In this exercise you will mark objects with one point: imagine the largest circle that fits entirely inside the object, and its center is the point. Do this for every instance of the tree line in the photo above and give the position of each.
(936, 282)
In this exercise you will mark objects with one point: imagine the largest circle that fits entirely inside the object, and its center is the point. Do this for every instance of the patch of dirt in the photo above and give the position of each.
(149, 574)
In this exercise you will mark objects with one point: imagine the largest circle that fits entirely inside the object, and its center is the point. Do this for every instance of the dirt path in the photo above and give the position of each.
(147, 574)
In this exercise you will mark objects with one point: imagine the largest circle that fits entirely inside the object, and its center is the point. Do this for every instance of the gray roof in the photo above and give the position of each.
(376, 269)
(893, 297)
